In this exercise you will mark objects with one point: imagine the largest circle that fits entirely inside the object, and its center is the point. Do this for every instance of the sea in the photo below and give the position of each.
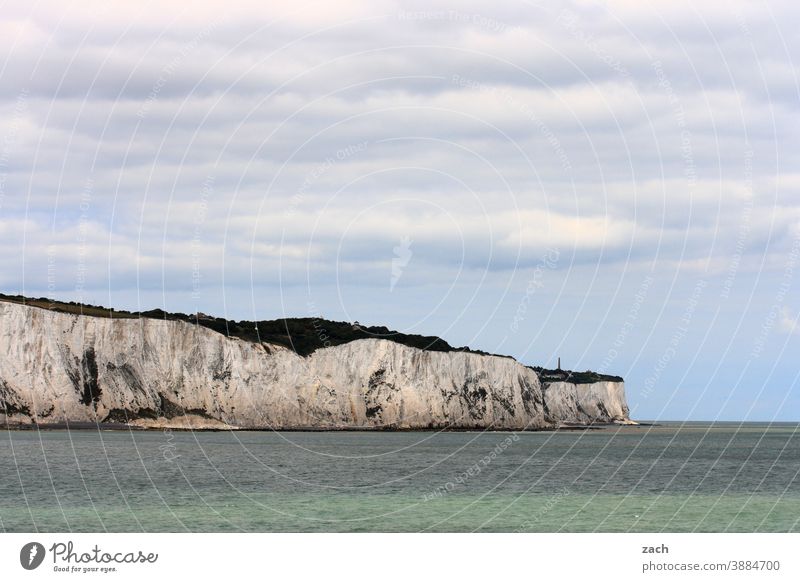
(666, 477)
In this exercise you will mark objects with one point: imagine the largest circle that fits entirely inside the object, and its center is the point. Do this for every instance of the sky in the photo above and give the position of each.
(613, 184)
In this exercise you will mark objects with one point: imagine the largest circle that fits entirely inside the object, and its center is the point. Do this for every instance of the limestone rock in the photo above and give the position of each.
(151, 372)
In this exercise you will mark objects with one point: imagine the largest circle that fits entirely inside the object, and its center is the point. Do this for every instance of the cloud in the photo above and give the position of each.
(787, 323)
(279, 146)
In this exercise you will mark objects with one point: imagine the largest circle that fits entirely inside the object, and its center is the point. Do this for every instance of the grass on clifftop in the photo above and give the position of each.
(304, 335)
(587, 377)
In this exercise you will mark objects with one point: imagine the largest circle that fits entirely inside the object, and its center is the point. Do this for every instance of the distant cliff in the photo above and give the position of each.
(57, 366)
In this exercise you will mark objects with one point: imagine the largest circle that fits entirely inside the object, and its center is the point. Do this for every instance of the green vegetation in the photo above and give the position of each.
(304, 335)
(71, 307)
(587, 377)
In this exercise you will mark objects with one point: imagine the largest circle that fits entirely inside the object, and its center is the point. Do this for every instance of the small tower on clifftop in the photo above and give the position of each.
(559, 362)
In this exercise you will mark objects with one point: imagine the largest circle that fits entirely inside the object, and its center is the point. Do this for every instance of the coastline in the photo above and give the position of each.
(170, 373)
(89, 426)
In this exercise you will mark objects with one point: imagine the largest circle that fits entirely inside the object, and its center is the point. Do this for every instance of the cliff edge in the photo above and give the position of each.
(167, 372)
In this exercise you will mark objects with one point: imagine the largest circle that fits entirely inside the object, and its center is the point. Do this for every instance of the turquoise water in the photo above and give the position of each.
(694, 477)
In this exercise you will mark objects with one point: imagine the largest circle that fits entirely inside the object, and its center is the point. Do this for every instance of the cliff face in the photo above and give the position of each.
(56, 367)
(581, 403)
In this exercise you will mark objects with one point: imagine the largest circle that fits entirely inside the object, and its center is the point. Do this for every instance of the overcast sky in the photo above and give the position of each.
(617, 185)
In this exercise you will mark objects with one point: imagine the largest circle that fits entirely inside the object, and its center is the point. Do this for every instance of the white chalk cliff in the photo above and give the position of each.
(57, 367)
